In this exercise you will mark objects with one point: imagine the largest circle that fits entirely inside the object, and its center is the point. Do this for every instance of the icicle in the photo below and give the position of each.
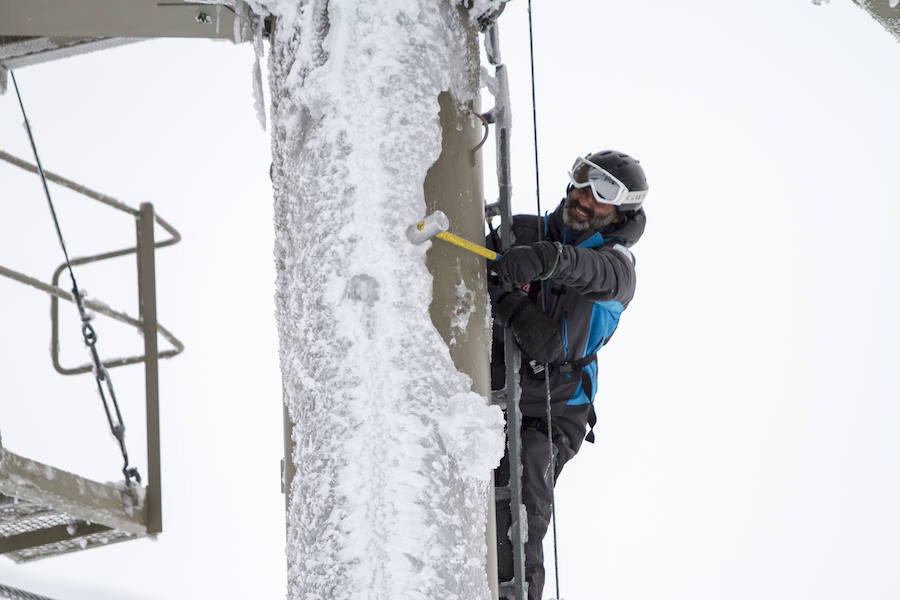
(258, 100)
(240, 16)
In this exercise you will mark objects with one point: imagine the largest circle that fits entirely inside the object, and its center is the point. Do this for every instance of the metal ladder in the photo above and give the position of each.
(508, 397)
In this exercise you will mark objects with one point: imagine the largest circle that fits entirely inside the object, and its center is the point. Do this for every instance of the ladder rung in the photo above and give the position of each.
(507, 589)
(499, 397)
(501, 492)
(492, 210)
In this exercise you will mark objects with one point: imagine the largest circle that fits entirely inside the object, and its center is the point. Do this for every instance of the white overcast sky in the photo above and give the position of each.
(749, 401)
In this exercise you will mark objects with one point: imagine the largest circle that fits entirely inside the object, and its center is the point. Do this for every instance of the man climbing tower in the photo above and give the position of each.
(578, 259)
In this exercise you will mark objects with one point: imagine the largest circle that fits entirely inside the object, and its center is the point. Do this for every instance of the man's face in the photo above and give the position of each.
(582, 212)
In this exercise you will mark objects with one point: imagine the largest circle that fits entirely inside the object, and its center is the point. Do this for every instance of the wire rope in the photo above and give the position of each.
(537, 178)
(117, 426)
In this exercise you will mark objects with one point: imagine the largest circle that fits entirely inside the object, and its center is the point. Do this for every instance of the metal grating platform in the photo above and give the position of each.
(52, 512)
(20, 520)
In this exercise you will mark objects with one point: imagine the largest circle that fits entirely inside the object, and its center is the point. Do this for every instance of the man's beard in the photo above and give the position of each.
(593, 223)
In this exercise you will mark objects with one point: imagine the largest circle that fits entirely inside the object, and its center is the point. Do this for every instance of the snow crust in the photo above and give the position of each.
(469, 437)
(393, 449)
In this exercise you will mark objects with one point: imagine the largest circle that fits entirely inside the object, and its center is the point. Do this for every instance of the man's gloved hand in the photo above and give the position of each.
(521, 264)
(538, 336)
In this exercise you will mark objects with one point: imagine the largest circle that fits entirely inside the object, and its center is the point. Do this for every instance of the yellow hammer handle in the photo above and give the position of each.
(467, 245)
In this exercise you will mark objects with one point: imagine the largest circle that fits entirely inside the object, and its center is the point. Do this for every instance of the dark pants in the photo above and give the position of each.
(537, 490)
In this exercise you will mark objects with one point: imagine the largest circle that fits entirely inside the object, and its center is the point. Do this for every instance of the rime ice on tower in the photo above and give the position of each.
(392, 448)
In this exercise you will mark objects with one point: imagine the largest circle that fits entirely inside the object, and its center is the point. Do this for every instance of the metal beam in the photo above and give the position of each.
(25, 51)
(118, 18)
(71, 494)
(147, 294)
(31, 539)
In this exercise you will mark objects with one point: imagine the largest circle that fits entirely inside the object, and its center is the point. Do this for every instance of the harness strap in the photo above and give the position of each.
(592, 414)
(587, 386)
(592, 420)
(575, 365)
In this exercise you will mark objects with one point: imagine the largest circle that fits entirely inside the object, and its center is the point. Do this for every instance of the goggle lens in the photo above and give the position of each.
(606, 188)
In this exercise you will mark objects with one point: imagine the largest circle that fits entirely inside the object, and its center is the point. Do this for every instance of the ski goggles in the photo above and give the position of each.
(605, 187)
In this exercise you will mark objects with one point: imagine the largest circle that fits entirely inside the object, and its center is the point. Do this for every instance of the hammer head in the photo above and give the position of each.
(428, 227)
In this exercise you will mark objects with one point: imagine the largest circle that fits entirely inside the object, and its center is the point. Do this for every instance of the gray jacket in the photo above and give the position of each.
(592, 284)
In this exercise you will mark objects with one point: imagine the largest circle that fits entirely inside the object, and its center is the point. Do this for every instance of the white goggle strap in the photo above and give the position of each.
(634, 197)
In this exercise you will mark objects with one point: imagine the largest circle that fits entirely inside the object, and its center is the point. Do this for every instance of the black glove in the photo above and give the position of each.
(521, 264)
(538, 336)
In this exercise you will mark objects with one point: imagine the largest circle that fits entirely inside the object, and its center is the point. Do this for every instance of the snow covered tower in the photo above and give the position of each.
(384, 343)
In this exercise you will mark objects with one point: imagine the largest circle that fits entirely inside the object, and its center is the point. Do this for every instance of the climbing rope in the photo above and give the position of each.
(537, 182)
(101, 375)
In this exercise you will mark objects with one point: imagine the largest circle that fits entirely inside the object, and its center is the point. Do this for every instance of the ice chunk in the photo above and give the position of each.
(472, 432)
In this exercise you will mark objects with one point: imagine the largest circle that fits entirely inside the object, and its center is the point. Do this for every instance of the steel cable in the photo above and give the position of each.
(537, 182)
(101, 375)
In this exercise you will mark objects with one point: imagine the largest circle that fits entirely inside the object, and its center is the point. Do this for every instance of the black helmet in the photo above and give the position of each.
(594, 170)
